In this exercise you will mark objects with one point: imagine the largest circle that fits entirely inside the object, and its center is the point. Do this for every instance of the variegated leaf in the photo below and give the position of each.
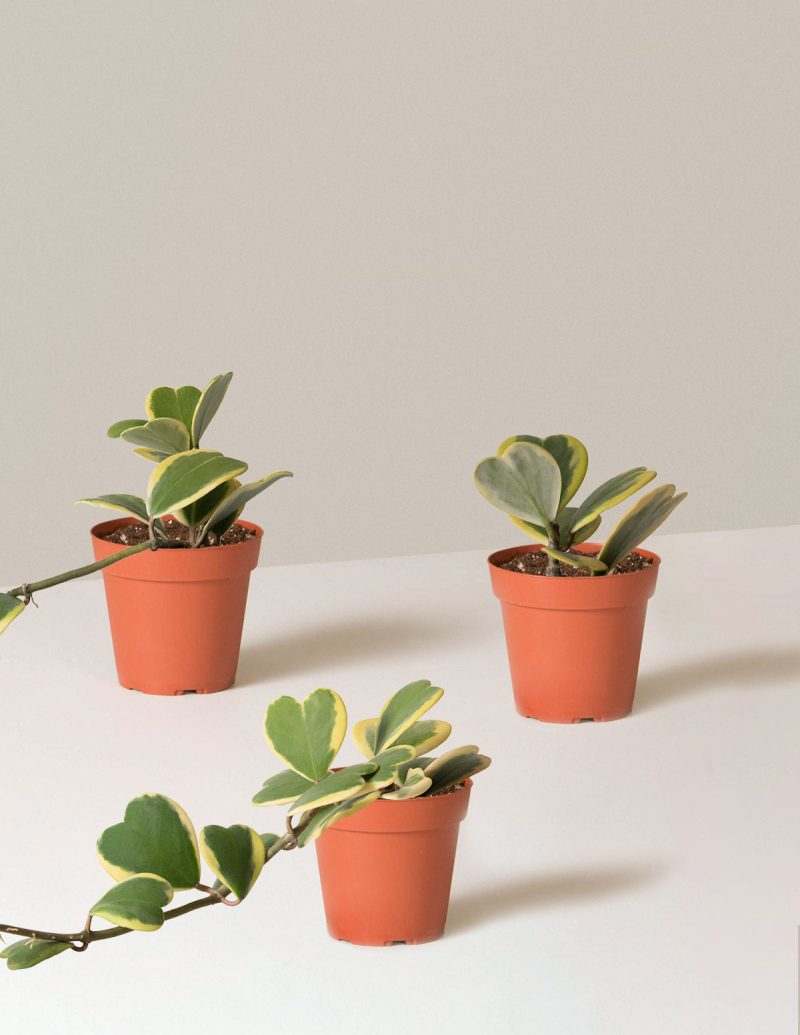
(156, 836)
(233, 502)
(525, 482)
(282, 788)
(235, 855)
(177, 403)
(578, 560)
(415, 785)
(335, 787)
(454, 767)
(30, 951)
(10, 607)
(387, 762)
(640, 522)
(563, 521)
(326, 817)
(424, 735)
(185, 477)
(572, 459)
(197, 513)
(136, 903)
(123, 425)
(403, 709)
(135, 506)
(609, 494)
(208, 404)
(162, 435)
(307, 735)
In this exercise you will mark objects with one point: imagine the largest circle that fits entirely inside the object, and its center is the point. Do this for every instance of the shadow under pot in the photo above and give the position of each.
(573, 642)
(386, 871)
(176, 615)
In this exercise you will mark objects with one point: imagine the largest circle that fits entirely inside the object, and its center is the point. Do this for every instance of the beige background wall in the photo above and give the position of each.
(411, 228)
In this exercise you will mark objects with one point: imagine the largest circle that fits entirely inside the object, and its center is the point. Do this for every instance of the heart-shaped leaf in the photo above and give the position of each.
(123, 425)
(307, 734)
(568, 452)
(233, 502)
(326, 817)
(578, 560)
(208, 404)
(403, 709)
(30, 951)
(424, 735)
(336, 787)
(388, 762)
(640, 522)
(235, 855)
(415, 784)
(121, 501)
(609, 494)
(136, 903)
(185, 477)
(156, 836)
(525, 481)
(177, 403)
(10, 607)
(163, 435)
(282, 788)
(454, 767)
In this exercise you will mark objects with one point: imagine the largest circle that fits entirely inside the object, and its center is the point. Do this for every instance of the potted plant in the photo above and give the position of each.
(181, 557)
(573, 610)
(385, 830)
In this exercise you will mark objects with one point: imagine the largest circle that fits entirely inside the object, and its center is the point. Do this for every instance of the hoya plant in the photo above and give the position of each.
(154, 853)
(200, 488)
(534, 481)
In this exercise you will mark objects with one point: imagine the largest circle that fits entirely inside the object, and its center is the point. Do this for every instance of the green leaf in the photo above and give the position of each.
(136, 903)
(572, 459)
(577, 560)
(123, 425)
(609, 494)
(424, 735)
(156, 836)
(162, 435)
(454, 767)
(235, 856)
(234, 501)
(307, 735)
(640, 522)
(27, 953)
(403, 709)
(177, 403)
(525, 481)
(282, 788)
(209, 403)
(121, 501)
(420, 762)
(185, 477)
(336, 787)
(10, 607)
(326, 817)
(415, 784)
(197, 513)
(388, 762)
(563, 520)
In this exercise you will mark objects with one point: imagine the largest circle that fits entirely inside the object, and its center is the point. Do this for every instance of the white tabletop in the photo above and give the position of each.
(639, 876)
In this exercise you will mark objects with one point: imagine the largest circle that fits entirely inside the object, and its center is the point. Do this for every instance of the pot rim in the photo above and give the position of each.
(580, 548)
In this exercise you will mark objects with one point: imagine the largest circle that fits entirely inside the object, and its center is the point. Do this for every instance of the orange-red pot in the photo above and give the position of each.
(386, 870)
(573, 643)
(176, 615)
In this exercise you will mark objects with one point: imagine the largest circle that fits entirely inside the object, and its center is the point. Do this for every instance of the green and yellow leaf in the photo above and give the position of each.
(10, 607)
(524, 482)
(578, 560)
(282, 788)
(135, 506)
(185, 477)
(454, 767)
(234, 501)
(415, 784)
(307, 734)
(156, 836)
(640, 522)
(326, 817)
(197, 513)
(176, 403)
(235, 856)
(563, 520)
(334, 788)
(136, 903)
(124, 425)
(163, 435)
(423, 735)
(402, 710)
(388, 762)
(27, 953)
(609, 494)
(573, 461)
(208, 404)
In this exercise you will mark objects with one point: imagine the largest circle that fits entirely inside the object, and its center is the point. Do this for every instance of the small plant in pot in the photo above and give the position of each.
(176, 567)
(573, 610)
(385, 830)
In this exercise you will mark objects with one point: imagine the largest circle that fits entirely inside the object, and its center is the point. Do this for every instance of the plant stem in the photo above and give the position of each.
(27, 589)
(86, 936)
(554, 533)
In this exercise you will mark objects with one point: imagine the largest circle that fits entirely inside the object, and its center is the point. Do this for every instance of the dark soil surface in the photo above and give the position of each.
(136, 532)
(536, 564)
(448, 790)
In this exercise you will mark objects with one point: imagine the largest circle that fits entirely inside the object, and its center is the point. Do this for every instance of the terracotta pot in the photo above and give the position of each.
(573, 643)
(386, 871)
(176, 615)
